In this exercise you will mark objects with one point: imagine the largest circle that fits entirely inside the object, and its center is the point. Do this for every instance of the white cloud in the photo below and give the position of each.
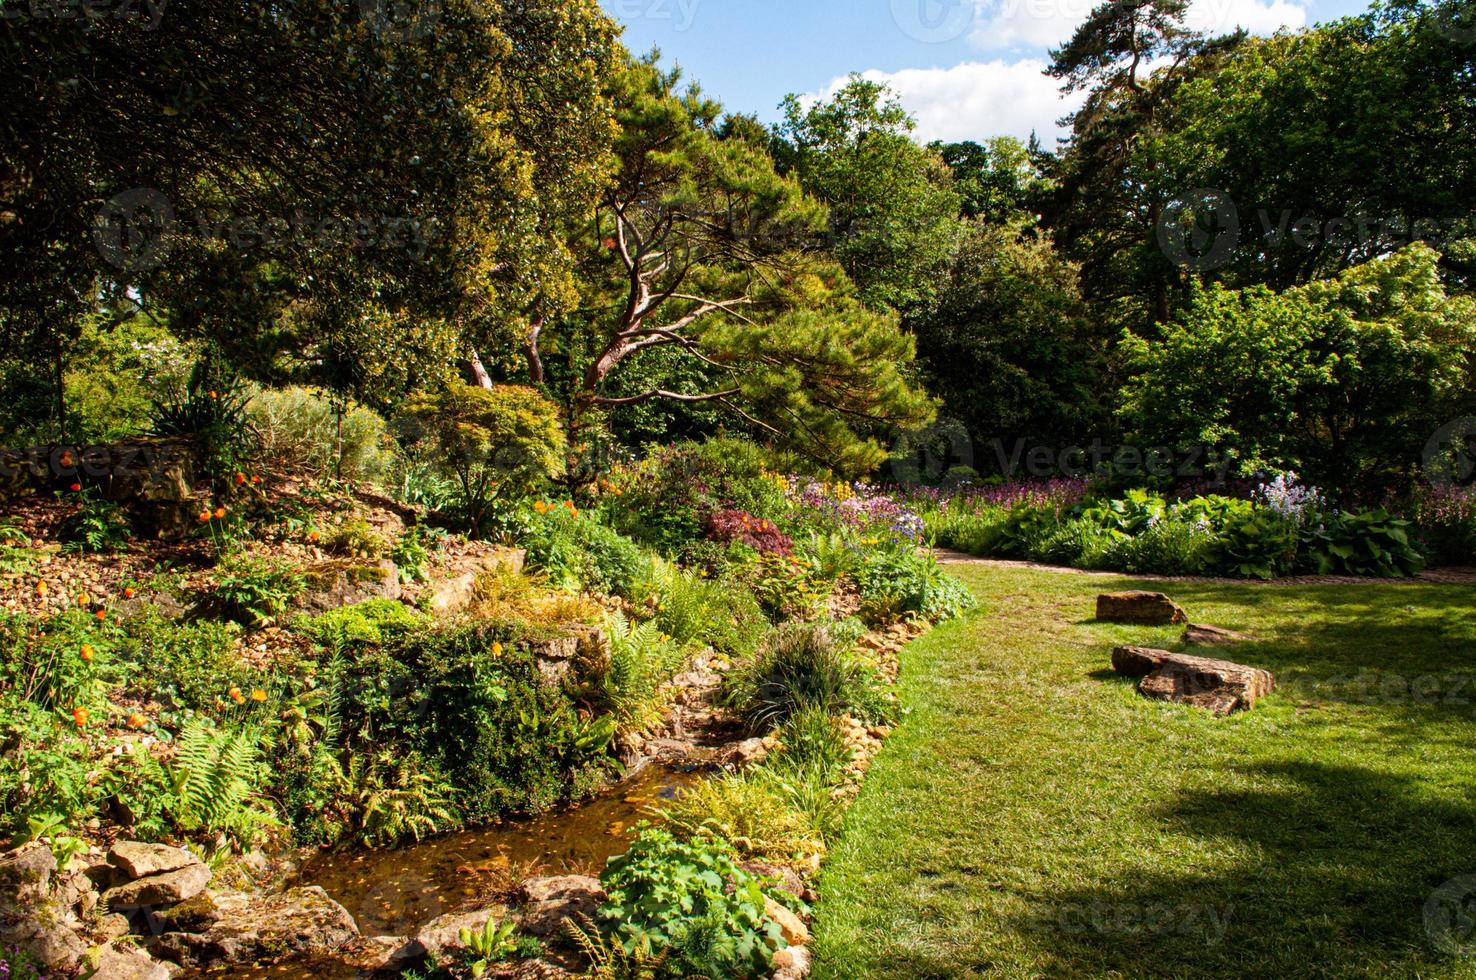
(976, 100)
(1011, 24)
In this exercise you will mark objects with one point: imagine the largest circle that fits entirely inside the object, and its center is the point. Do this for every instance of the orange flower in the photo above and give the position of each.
(240, 478)
(220, 513)
(41, 589)
(66, 458)
(101, 615)
(204, 516)
(236, 695)
(215, 394)
(76, 488)
(255, 480)
(137, 720)
(312, 535)
(258, 695)
(80, 716)
(83, 598)
(128, 593)
(86, 653)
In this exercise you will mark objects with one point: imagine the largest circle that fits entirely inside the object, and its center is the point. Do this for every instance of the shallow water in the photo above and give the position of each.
(395, 892)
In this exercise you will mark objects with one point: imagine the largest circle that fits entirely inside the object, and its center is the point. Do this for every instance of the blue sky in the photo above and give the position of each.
(966, 68)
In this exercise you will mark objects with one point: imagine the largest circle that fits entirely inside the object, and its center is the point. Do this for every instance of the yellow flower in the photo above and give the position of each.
(87, 652)
(258, 695)
(496, 649)
(236, 695)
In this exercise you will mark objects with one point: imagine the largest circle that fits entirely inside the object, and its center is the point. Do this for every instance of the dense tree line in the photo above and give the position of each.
(333, 195)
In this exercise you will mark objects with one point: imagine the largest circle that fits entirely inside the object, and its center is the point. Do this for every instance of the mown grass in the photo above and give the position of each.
(1034, 816)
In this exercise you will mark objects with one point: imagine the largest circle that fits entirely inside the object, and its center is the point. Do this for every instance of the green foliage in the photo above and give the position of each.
(306, 431)
(255, 591)
(1342, 378)
(16, 557)
(494, 441)
(785, 586)
(364, 623)
(355, 538)
(210, 407)
(748, 810)
(1361, 543)
(642, 658)
(578, 552)
(1259, 544)
(691, 901)
(391, 797)
(491, 944)
(412, 551)
(211, 785)
(96, 526)
(801, 667)
(901, 581)
(46, 769)
(1170, 546)
(187, 664)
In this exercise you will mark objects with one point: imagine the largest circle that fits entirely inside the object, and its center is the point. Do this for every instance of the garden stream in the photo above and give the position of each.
(395, 892)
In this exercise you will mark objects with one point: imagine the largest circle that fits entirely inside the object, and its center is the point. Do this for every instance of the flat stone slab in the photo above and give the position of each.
(1139, 608)
(1199, 635)
(1218, 686)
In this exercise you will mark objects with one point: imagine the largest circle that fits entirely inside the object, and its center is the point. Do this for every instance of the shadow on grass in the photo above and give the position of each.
(1345, 860)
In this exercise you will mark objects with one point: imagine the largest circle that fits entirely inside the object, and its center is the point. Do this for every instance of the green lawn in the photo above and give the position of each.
(1034, 816)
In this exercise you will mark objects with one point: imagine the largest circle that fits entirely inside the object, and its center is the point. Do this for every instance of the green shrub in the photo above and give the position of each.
(1167, 547)
(691, 901)
(750, 811)
(355, 538)
(1256, 544)
(785, 586)
(577, 552)
(308, 432)
(96, 526)
(642, 658)
(187, 664)
(254, 591)
(1370, 542)
(47, 771)
(412, 551)
(212, 785)
(211, 408)
(899, 580)
(802, 667)
(363, 623)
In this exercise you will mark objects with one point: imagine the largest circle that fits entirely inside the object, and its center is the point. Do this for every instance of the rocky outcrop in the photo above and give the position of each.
(112, 962)
(39, 907)
(454, 590)
(239, 928)
(1139, 608)
(335, 583)
(441, 936)
(550, 902)
(154, 875)
(1218, 686)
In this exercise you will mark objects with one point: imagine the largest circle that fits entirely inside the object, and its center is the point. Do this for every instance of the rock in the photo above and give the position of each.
(141, 860)
(112, 926)
(791, 963)
(1212, 636)
(550, 902)
(455, 592)
(300, 922)
(53, 941)
(126, 963)
(793, 928)
(1216, 685)
(25, 876)
(163, 889)
(748, 752)
(1141, 608)
(442, 935)
(335, 583)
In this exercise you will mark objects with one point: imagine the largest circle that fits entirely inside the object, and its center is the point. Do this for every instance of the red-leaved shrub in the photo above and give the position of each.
(728, 526)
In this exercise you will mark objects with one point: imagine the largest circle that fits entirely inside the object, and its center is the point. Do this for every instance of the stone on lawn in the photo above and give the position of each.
(1140, 608)
(1219, 686)
(1212, 636)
